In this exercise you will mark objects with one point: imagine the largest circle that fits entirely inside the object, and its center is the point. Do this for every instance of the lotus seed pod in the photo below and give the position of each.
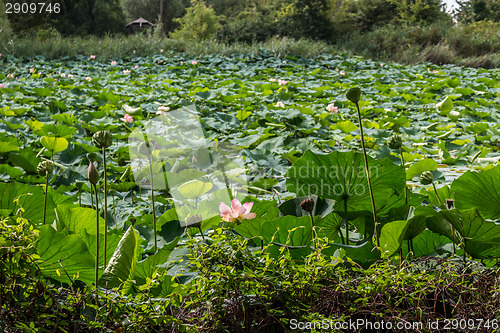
(426, 178)
(102, 139)
(307, 205)
(195, 221)
(92, 157)
(144, 149)
(45, 167)
(354, 95)
(93, 174)
(395, 142)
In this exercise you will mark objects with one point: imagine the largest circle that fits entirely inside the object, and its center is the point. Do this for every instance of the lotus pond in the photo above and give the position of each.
(175, 141)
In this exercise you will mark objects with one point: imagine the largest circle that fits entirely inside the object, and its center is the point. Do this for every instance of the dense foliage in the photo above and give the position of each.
(133, 158)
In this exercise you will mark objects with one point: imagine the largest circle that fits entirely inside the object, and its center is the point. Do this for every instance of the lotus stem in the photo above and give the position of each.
(346, 223)
(367, 167)
(97, 238)
(45, 197)
(404, 168)
(105, 204)
(153, 201)
(437, 195)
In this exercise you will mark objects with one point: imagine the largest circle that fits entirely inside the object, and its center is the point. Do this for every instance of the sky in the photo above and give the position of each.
(450, 4)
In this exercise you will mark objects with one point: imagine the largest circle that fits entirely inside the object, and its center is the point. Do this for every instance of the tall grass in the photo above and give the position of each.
(476, 45)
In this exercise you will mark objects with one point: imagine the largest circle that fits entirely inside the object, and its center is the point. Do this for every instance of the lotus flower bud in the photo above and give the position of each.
(145, 148)
(307, 205)
(102, 139)
(92, 157)
(426, 178)
(93, 174)
(45, 167)
(194, 221)
(395, 142)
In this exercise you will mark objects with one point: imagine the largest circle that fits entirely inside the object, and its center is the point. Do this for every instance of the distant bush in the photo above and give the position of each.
(200, 22)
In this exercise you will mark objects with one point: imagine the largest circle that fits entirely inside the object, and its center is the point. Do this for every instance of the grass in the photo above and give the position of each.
(475, 45)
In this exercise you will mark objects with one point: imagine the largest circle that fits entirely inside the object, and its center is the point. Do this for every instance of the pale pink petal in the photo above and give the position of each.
(248, 206)
(249, 216)
(224, 209)
(235, 204)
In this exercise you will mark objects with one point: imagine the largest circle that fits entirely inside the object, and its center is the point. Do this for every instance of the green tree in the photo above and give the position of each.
(478, 10)
(200, 22)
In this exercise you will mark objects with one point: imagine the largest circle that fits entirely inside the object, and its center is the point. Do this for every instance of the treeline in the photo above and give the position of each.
(243, 20)
(406, 31)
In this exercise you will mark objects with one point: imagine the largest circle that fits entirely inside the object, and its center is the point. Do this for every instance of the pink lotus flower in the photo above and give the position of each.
(162, 109)
(32, 70)
(70, 76)
(1, 85)
(194, 62)
(272, 80)
(182, 62)
(237, 211)
(126, 71)
(92, 56)
(332, 108)
(280, 104)
(136, 66)
(282, 82)
(128, 118)
(88, 78)
(161, 51)
(342, 73)
(10, 76)
(113, 63)
(63, 74)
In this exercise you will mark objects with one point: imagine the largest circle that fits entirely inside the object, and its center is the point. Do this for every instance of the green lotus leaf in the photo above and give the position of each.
(341, 176)
(66, 254)
(194, 189)
(54, 145)
(479, 190)
(121, 266)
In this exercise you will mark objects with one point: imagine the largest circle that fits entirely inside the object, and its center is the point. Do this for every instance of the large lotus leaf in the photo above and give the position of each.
(30, 199)
(329, 226)
(322, 207)
(426, 243)
(364, 254)
(392, 236)
(252, 228)
(288, 230)
(167, 233)
(25, 159)
(417, 224)
(121, 266)
(480, 250)
(145, 269)
(113, 238)
(54, 145)
(479, 190)
(68, 254)
(78, 218)
(427, 164)
(471, 226)
(342, 175)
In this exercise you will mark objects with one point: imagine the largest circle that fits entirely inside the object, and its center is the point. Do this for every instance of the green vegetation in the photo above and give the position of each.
(404, 31)
(136, 162)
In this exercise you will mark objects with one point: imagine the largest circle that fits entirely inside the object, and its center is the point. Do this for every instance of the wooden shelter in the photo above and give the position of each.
(139, 25)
